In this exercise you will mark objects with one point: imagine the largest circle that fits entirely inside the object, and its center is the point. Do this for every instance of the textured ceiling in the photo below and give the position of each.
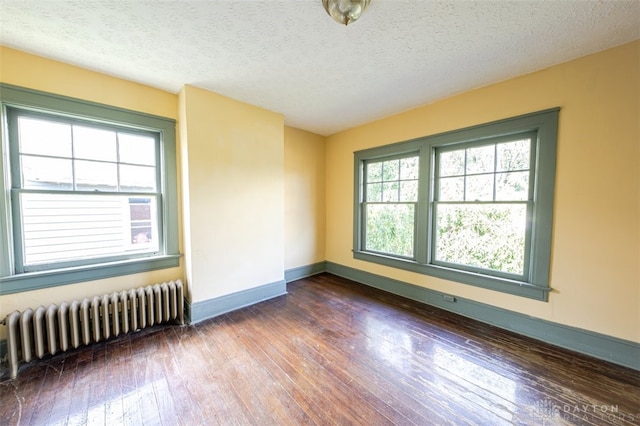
(289, 56)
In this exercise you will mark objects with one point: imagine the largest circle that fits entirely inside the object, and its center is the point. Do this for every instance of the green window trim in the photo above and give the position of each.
(534, 282)
(169, 256)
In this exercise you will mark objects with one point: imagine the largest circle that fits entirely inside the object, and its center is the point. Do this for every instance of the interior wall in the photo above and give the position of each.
(596, 241)
(304, 200)
(38, 73)
(34, 72)
(233, 155)
(595, 272)
(233, 162)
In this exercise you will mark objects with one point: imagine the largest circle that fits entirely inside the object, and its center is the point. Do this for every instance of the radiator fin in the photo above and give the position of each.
(74, 320)
(69, 325)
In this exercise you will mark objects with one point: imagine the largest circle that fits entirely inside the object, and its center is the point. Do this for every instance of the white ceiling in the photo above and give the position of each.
(289, 56)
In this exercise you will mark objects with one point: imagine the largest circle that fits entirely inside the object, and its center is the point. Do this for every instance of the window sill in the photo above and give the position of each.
(45, 279)
(517, 288)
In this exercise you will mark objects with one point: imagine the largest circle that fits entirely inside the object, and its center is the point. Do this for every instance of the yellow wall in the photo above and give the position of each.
(304, 168)
(233, 160)
(233, 170)
(596, 234)
(22, 69)
(596, 238)
(231, 165)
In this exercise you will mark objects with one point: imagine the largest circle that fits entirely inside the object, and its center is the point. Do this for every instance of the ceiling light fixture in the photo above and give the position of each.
(345, 11)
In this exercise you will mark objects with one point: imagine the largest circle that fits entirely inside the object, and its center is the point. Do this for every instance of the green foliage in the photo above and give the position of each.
(487, 236)
(390, 225)
(390, 228)
(482, 236)
(485, 173)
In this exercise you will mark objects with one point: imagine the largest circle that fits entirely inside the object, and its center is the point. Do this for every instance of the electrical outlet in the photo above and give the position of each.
(449, 298)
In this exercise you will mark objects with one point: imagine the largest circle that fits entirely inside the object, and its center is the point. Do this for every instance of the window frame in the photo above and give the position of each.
(366, 203)
(72, 109)
(529, 202)
(535, 284)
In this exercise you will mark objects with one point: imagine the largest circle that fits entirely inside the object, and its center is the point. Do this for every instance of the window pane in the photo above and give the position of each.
(480, 159)
(44, 137)
(514, 155)
(137, 178)
(94, 144)
(374, 172)
(96, 176)
(451, 189)
(452, 163)
(141, 212)
(390, 228)
(46, 173)
(512, 186)
(409, 168)
(482, 236)
(141, 234)
(137, 149)
(479, 188)
(69, 227)
(390, 192)
(391, 170)
(409, 190)
(140, 209)
(374, 192)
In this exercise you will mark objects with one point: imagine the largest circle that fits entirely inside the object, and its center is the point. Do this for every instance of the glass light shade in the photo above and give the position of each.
(345, 11)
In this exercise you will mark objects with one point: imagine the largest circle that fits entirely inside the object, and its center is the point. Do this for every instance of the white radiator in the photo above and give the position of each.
(60, 327)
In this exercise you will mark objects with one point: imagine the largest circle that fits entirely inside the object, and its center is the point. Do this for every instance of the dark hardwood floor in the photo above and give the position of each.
(330, 352)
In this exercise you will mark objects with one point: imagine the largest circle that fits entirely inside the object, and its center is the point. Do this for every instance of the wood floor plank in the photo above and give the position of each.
(516, 351)
(273, 395)
(396, 345)
(86, 374)
(297, 370)
(61, 383)
(115, 360)
(327, 377)
(28, 402)
(300, 390)
(221, 400)
(130, 400)
(330, 352)
(148, 374)
(425, 404)
(185, 406)
(95, 389)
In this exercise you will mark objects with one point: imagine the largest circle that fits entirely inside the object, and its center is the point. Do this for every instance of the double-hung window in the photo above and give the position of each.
(473, 205)
(88, 191)
(390, 205)
(483, 193)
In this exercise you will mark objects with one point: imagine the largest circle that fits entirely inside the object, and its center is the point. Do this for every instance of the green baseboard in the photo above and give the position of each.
(304, 271)
(608, 348)
(601, 346)
(206, 309)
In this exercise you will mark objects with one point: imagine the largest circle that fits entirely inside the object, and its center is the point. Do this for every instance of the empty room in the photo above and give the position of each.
(322, 212)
